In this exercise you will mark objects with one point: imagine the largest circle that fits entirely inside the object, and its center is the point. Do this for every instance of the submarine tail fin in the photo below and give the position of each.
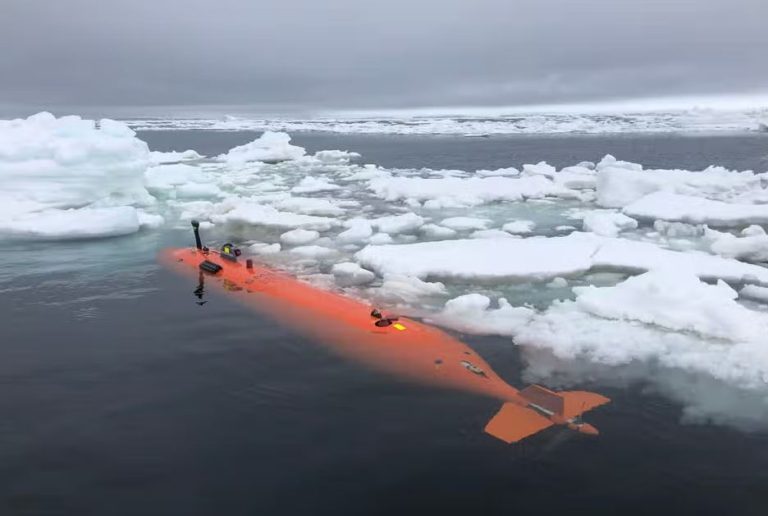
(513, 423)
(576, 403)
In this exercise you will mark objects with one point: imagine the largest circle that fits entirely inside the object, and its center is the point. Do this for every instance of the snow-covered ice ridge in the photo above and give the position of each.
(667, 122)
(606, 263)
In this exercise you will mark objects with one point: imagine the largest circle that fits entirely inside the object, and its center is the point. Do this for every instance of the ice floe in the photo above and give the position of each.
(358, 230)
(394, 224)
(607, 222)
(754, 292)
(313, 185)
(434, 231)
(56, 224)
(299, 237)
(750, 246)
(263, 248)
(313, 251)
(472, 191)
(519, 227)
(349, 273)
(696, 210)
(464, 223)
(668, 317)
(263, 215)
(539, 258)
(619, 184)
(160, 158)
(269, 147)
(70, 178)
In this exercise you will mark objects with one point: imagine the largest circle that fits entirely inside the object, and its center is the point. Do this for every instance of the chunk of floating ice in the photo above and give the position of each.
(409, 289)
(511, 171)
(696, 210)
(540, 169)
(753, 230)
(519, 227)
(360, 230)
(454, 191)
(314, 251)
(678, 229)
(57, 224)
(577, 178)
(349, 274)
(482, 259)
(668, 317)
(164, 178)
(51, 167)
(471, 313)
(313, 184)
(335, 157)
(685, 324)
(158, 157)
(490, 233)
(435, 231)
(751, 247)
(558, 283)
(260, 215)
(263, 248)
(754, 292)
(538, 258)
(150, 220)
(198, 191)
(607, 222)
(465, 223)
(299, 236)
(609, 161)
(394, 224)
(310, 206)
(677, 301)
(380, 239)
(269, 147)
(618, 186)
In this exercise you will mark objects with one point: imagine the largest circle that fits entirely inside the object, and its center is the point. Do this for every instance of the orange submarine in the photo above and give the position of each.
(397, 345)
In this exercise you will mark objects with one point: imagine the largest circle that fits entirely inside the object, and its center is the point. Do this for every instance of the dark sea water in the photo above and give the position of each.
(119, 395)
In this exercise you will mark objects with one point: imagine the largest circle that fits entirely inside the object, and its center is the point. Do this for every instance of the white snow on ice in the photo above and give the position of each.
(70, 178)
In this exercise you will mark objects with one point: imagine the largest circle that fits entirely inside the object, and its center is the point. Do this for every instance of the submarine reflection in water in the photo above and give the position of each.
(400, 346)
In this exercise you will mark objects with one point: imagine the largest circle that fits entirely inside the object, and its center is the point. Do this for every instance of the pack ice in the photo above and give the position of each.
(608, 262)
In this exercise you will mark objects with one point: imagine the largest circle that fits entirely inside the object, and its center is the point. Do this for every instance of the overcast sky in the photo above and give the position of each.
(358, 54)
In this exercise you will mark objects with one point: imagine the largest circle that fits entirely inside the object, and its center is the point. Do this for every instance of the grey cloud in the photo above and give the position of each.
(358, 54)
